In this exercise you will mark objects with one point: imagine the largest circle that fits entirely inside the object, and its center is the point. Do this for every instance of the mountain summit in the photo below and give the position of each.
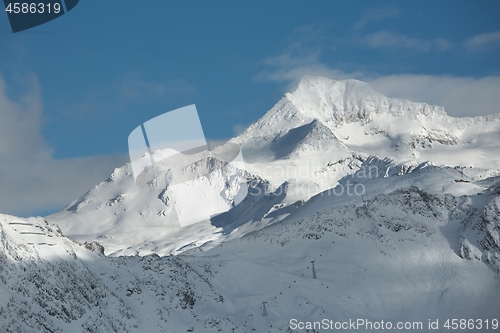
(347, 101)
(367, 122)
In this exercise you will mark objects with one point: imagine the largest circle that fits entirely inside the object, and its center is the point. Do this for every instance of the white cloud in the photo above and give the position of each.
(31, 180)
(460, 96)
(387, 39)
(483, 41)
(376, 14)
(20, 133)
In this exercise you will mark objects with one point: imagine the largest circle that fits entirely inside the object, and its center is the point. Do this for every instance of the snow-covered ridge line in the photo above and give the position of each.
(432, 257)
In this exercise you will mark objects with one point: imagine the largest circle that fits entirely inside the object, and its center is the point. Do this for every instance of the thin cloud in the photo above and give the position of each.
(130, 90)
(138, 89)
(290, 69)
(376, 14)
(239, 128)
(483, 42)
(290, 60)
(387, 39)
(309, 37)
(31, 180)
(301, 57)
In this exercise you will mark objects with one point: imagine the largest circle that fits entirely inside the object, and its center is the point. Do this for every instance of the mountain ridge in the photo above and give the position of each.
(438, 257)
(298, 156)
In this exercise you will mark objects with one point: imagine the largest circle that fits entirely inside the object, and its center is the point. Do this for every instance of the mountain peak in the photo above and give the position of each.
(351, 100)
(363, 121)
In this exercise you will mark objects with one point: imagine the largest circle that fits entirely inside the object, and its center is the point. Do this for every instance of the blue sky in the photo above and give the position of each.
(74, 88)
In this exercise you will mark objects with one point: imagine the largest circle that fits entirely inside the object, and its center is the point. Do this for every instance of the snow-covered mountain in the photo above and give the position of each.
(405, 255)
(310, 140)
(396, 202)
(364, 121)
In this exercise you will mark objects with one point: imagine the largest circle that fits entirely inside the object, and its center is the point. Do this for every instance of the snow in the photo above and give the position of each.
(425, 262)
(396, 202)
(315, 136)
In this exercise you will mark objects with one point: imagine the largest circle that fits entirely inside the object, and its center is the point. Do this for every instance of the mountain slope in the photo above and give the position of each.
(313, 137)
(436, 257)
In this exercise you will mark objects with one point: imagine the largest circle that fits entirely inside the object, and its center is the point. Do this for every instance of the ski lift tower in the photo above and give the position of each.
(313, 269)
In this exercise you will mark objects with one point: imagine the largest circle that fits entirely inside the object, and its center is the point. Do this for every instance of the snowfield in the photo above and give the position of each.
(397, 204)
